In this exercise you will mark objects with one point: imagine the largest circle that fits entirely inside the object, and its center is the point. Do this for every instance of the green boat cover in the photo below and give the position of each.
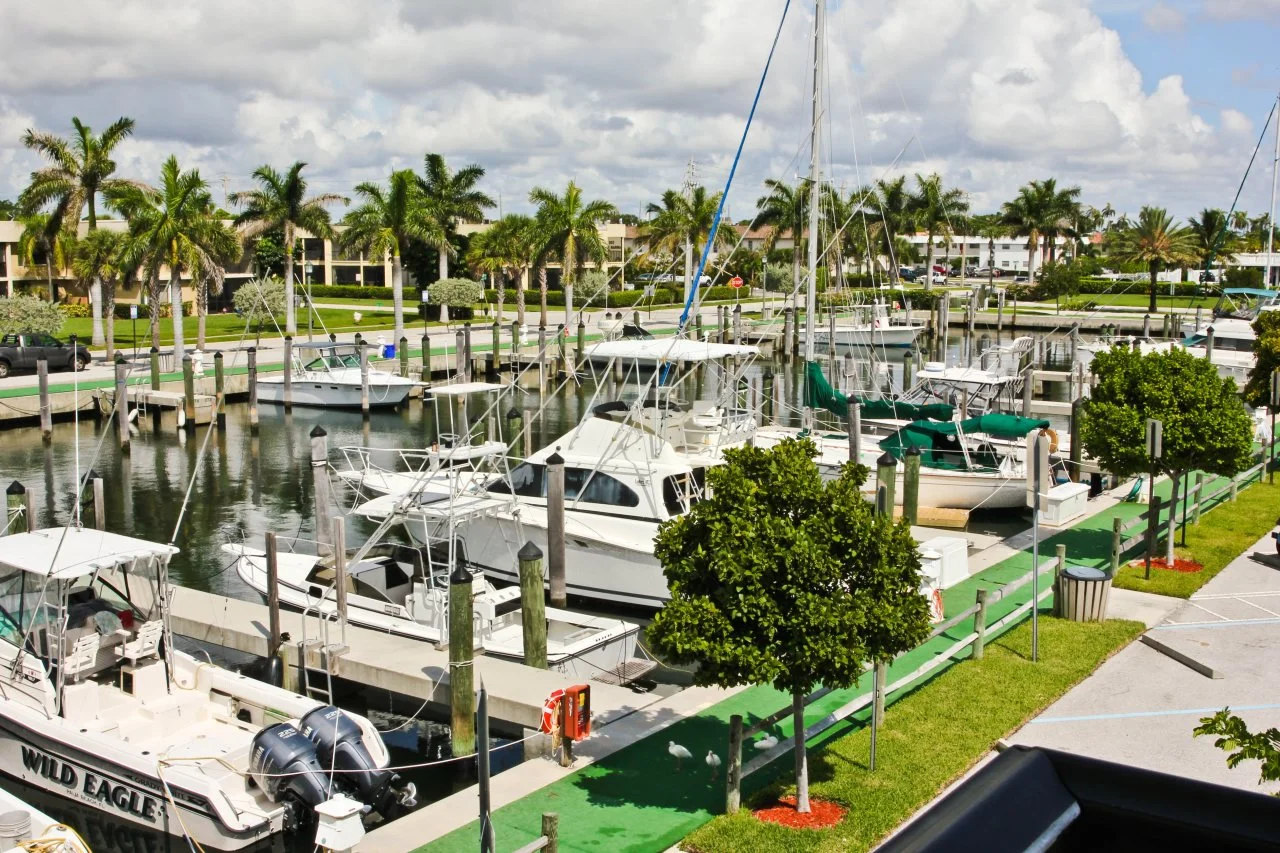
(939, 443)
(818, 394)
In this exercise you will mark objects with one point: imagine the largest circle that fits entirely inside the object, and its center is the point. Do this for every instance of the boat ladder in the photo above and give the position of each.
(328, 652)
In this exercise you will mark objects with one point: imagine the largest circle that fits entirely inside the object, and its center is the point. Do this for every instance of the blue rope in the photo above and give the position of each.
(724, 196)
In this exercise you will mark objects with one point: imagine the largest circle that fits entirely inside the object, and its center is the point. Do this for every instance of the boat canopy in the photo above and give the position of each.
(667, 349)
(819, 394)
(1260, 293)
(62, 553)
(939, 443)
(460, 389)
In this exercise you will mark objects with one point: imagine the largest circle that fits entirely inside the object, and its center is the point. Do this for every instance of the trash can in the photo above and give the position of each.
(1083, 593)
(388, 350)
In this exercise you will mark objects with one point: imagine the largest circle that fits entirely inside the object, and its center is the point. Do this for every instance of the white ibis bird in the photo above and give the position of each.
(713, 761)
(679, 752)
(766, 742)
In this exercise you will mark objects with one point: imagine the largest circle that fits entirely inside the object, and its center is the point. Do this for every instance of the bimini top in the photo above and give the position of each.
(60, 553)
(939, 442)
(667, 349)
(1259, 292)
(459, 389)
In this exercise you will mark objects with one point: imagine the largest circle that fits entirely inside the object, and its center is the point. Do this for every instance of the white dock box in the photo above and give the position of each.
(945, 560)
(1066, 503)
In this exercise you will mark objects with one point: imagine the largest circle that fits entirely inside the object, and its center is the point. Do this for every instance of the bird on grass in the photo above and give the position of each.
(713, 761)
(679, 752)
(766, 742)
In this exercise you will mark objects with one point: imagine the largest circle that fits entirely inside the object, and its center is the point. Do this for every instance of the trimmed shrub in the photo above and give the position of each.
(29, 314)
(456, 292)
(257, 300)
(354, 291)
(75, 310)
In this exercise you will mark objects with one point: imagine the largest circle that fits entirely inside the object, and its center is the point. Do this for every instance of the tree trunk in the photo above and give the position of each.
(1152, 307)
(109, 311)
(928, 268)
(153, 306)
(568, 305)
(48, 271)
(1033, 243)
(443, 267)
(802, 759)
(175, 309)
(542, 293)
(1176, 475)
(202, 309)
(520, 298)
(290, 308)
(688, 268)
(501, 294)
(397, 295)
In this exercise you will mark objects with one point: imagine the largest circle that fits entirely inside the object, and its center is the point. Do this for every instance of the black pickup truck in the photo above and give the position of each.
(22, 351)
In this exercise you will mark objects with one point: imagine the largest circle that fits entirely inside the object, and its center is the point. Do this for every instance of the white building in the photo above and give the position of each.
(1010, 253)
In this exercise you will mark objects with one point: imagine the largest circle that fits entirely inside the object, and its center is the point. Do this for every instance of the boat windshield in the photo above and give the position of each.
(333, 361)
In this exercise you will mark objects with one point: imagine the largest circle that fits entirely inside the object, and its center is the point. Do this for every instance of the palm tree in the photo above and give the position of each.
(891, 216)
(991, 227)
(55, 245)
(685, 220)
(507, 249)
(1064, 214)
(1240, 220)
(786, 211)
(281, 202)
(80, 169)
(1156, 242)
(385, 223)
(177, 226)
(932, 206)
(1213, 236)
(569, 229)
(1028, 214)
(452, 196)
(8, 209)
(95, 260)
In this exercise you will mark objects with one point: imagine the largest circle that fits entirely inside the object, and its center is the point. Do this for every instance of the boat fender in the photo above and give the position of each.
(339, 743)
(283, 763)
(551, 712)
(1053, 438)
(936, 610)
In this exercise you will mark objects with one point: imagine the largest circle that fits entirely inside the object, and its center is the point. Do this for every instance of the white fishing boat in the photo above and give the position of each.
(99, 707)
(330, 375)
(653, 352)
(26, 829)
(867, 326)
(405, 591)
(1234, 338)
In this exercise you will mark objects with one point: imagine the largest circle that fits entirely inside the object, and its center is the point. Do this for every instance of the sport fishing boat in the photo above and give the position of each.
(99, 707)
(330, 375)
(26, 829)
(1234, 338)
(405, 591)
(867, 326)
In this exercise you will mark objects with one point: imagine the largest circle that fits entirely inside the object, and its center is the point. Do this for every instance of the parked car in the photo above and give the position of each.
(22, 351)
(983, 272)
(907, 274)
(938, 278)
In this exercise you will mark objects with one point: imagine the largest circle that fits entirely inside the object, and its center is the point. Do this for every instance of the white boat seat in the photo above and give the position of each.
(144, 644)
(83, 656)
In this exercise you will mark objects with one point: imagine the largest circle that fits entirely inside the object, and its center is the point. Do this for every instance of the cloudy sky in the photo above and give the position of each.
(1137, 101)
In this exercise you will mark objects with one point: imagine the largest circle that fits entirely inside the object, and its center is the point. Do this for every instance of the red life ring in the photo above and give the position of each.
(551, 712)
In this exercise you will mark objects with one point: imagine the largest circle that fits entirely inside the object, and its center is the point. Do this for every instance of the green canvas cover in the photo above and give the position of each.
(818, 394)
(939, 443)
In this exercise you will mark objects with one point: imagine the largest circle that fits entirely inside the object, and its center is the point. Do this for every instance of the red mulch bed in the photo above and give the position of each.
(822, 814)
(1189, 567)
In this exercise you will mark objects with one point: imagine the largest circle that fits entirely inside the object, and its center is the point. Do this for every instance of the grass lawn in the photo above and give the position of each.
(1222, 534)
(1142, 300)
(930, 738)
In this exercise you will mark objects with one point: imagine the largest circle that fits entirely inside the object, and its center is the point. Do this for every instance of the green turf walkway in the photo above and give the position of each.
(634, 801)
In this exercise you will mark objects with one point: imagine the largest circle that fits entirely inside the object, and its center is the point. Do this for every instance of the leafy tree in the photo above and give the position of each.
(685, 221)
(80, 169)
(1242, 277)
(568, 230)
(845, 230)
(593, 287)
(742, 262)
(782, 578)
(507, 249)
(269, 254)
(386, 222)
(54, 244)
(933, 207)
(776, 277)
(8, 209)
(260, 299)
(450, 197)
(29, 314)
(890, 218)
(1213, 237)
(1061, 278)
(1155, 241)
(1233, 734)
(455, 293)
(1257, 392)
(281, 202)
(96, 260)
(786, 211)
(1038, 211)
(1205, 426)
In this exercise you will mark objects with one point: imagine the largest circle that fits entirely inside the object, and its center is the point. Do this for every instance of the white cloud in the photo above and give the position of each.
(618, 96)
(1163, 18)
(1237, 10)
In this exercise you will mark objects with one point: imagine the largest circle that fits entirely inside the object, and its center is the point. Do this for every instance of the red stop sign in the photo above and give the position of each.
(736, 281)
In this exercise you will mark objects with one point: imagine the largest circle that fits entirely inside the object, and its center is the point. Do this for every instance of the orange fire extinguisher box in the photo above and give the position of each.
(575, 712)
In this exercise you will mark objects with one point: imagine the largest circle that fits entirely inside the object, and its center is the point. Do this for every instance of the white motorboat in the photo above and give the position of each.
(26, 829)
(99, 707)
(330, 375)
(1234, 338)
(405, 591)
(653, 352)
(867, 326)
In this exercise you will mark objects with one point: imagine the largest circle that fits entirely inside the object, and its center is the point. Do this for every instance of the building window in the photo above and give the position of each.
(1004, 264)
(1006, 247)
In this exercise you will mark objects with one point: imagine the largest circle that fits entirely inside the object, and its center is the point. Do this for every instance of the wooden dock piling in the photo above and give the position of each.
(404, 357)
(253, 389)
(461, 652)
(288, 373)
(15, 500)
(320, 478)
(122, 405)
(188, 394)
(46, 412)
(911, 485)
(155, 369)
(99, 501)
(364, 379)
(533, 617)
(555, 528)
(426, 361)
(219, 389)
(886, 475)
(273, 594)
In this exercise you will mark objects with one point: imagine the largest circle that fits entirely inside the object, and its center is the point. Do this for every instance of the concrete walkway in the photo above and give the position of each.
(1140, 707)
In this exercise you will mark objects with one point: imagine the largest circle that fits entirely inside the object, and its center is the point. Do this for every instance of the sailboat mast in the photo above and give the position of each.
(1271, 219)
(815, 184)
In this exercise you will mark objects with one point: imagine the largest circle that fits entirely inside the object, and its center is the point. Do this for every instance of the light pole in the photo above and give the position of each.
(1155, 435)
(306, 286)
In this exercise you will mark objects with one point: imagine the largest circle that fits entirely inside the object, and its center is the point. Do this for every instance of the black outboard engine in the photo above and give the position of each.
(282, 762)
(339, 743)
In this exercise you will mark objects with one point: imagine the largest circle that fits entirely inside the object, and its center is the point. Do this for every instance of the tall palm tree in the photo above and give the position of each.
(1240, 220)
(685, 220)
(786, 211)
(55, 245)
(452, 196)
(932, 207)
(80, 168)
(1213, 236)
(1154, 240)
(991, 227)
(95, 260)
(386, 221)
(506, 250)
(569, 230)
(281, 201)
(1064, 214)
(890, 217)
(1028, 214)
(177, 226)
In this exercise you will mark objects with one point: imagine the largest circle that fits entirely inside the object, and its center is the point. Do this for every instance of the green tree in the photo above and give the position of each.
(569, 231)
(890, 218)
(1257, 392)
(933, 207)
(593, 287)
(29, 314)
(40, 240)
(80, 169)
(1155, 241)
(507, 249)
(1213, 238)
(455, 293)
(451, 197)
(782, 578)
(97, 259)
(8, 209)
(260, 299)
(1061, 278)
(1205, 427)
(1233, 733)
(384, 224)
(281, 201)
(269, 254)
(685, 221)
(990, 227)
(785, 210)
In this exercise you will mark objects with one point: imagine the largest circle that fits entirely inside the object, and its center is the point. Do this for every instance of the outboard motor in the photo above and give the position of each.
(282, 762)
(339, 743)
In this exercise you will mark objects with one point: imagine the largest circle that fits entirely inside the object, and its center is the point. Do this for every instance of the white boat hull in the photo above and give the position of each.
(866, 336)
(333, 395)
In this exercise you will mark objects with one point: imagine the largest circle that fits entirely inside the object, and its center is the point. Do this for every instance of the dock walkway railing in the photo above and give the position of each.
(975, 640)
